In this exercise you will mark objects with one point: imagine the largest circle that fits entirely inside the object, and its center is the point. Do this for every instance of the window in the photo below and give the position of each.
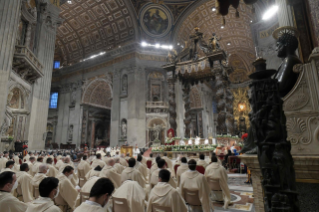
(54, 100)
(56, 64)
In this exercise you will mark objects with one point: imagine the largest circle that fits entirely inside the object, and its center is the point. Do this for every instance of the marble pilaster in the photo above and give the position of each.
(9, 19)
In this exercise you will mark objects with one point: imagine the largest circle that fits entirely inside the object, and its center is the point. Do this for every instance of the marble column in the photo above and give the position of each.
(9, 19)
(93, 134)
(284, 13)
(48, 23)
(187, 106)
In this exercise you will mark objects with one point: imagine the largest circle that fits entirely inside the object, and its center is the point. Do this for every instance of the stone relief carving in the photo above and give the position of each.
(300, 99)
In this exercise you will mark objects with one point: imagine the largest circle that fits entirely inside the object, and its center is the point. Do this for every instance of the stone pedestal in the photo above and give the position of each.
(307, 181)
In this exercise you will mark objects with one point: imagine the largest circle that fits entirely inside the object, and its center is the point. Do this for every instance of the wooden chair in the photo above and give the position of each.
(200, 169)
(191, 198)
(61, 203)
(120, 205)
(36, 193)
(217, 193)
(149, 164)
(82, 179)
(84, 196)
(158, 208)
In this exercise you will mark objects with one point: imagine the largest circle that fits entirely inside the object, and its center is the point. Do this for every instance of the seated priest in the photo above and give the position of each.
(89, 184)
(127, 156)
(107, 157)
(193, 180)
(93, 172)
(100, 194)
(30, 163)
(141, 167)
(60, 162)
(123, 161)
(181, 169)
(143, 159)
(154, 167)
(168, 161)
(35, 167)
(133, 193)
(48, 190)
(98, 162)
(68, 162)
(38, 177)
(161, 164)
(218, 173)
(9, 203)
(84, 165)
(163, 194)
(132, 174)
(109, 172)
(52, 171)
(118, 166)
(9, 167)
(67, 190)
(4, 160)
(201, 161)
(24, 181)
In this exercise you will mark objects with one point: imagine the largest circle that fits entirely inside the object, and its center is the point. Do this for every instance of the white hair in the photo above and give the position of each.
(42, 168)
(110, 161)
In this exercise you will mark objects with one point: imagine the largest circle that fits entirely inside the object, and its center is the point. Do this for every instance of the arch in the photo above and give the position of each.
(98, 93)
(23, 96)
(157, 121)
(195, 98)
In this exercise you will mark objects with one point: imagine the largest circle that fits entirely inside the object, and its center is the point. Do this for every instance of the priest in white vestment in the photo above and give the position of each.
(24, 182)
(181, 169)
(59, 162)
(155, 175)
(27, 157)
(132, 174)
(136, 151)
(93, 172)
(3, 161)
(98, 162)
(99, 196)
(84, 165)
(201, 161)
(30, 163)
(218, 172)
(68, 162)
(154, 167)
(133, 193)
(193, 180)
(89, 184)
(141, 167)
(38, 177)
(35, 167)
(118, 166)
(109, 172)
(52, 171)
(48, 190)
(16, 159)
(123, 162)
(9, 167)
(9, 203)
(67, 190)
(163, 194)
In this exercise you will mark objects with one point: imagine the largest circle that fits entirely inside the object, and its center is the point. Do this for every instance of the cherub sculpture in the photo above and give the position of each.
(214, 42)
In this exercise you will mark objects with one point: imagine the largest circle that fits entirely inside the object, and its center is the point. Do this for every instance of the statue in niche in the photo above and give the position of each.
(6, 122)
(124, 84)
(70, 132)
(124, 128)
(214, 42)
(73, 94)
(287, 44)
(156, 130)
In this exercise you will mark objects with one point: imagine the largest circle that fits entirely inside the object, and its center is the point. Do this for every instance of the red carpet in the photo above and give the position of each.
(148, 152)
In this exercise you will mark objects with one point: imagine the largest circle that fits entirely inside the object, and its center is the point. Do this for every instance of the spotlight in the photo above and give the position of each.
(270, 12)
(251, 21)
(213, 9)
(157, 45)
(143, 44)
(228, 44)
(170, 47)
(69, 2)
(222, 27)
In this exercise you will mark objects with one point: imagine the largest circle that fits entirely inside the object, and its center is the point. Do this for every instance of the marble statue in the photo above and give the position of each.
(124, 129)
(73, 95)
(214, 42)
(70, 133)
(156, 131)
(287, 44)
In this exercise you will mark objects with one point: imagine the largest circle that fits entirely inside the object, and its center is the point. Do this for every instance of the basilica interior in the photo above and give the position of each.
(146, 73)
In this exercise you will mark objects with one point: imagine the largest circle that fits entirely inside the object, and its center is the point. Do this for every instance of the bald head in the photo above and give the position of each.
(111, 162)
(67, 160)
(43, 168)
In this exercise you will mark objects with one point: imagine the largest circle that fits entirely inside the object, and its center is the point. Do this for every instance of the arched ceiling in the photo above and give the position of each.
(93, 26)
(237, 32)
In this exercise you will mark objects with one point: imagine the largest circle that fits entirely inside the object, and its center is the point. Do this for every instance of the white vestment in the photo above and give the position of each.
(110, 172)
(133, 193)
(85, 166)
(218, 172)
(154, 179)
(53, 172)
(89, 184)
(98, 162)
(119, 168)
(180, 170)
(92, 173)
(9, 203)
(68, 191)
(26, 158)
(141, 168)
(123, 162)
(24, 181)
(58, 164)
(84, 207)
(7, 170)
(30, 167)
(3, 162)
(36, 180)
(35, 168)
(193, 180)
(43, 205)
(202, 163)
(164, 194)
(133, 174)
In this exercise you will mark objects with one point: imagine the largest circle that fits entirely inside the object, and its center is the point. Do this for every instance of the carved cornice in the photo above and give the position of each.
(69, 87)
(50, 15)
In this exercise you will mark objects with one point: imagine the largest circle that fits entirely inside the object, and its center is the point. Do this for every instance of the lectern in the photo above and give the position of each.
(127, 149)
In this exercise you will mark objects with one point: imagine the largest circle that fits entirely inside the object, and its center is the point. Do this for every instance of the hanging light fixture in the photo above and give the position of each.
(69, 2)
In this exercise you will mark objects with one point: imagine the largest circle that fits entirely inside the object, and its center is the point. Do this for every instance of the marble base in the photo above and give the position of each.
(307, 176)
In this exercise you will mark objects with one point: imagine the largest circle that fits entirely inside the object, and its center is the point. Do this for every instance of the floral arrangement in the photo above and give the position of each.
(186, 148)
(170, 140)
(227, 136)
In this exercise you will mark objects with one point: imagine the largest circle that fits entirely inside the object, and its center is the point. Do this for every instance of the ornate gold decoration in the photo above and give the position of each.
(241, 98)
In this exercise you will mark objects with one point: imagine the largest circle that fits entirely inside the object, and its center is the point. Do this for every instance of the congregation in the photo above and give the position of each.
(53, 181)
